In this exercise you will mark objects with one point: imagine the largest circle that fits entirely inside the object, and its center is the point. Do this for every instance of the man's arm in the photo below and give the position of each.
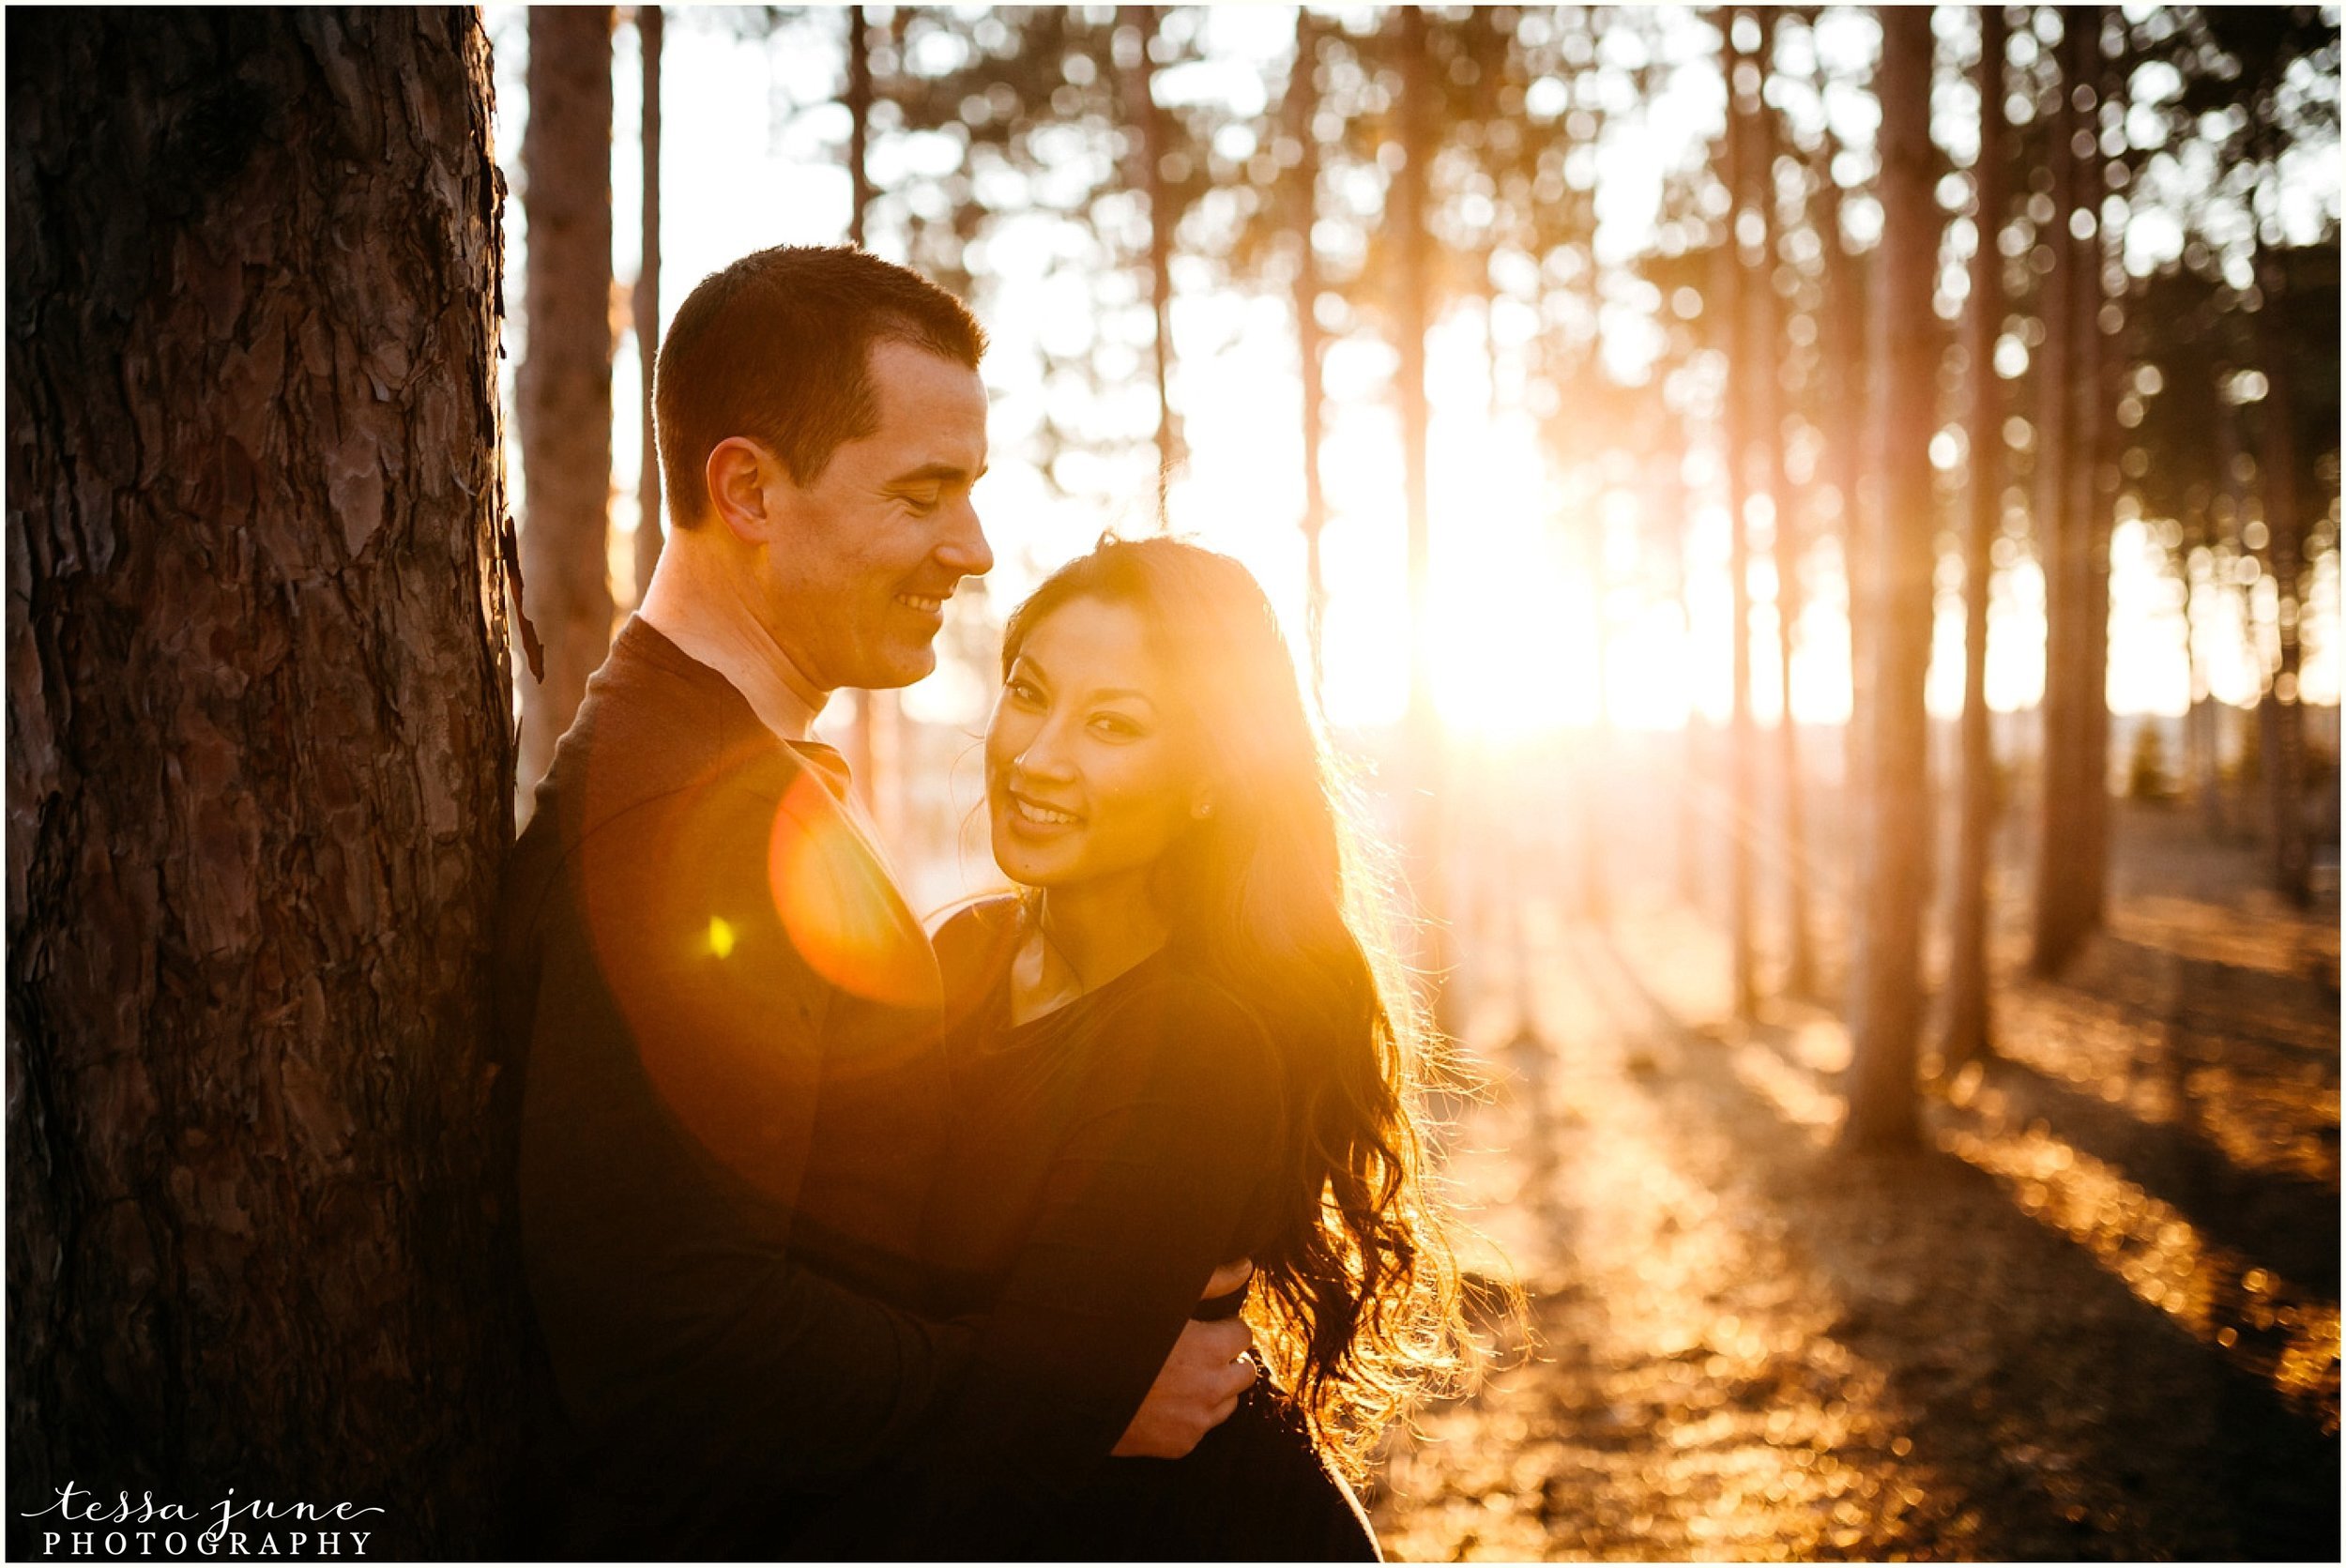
(685, 1329)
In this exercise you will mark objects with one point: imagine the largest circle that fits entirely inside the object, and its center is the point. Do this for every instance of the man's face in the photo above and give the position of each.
(856, 579)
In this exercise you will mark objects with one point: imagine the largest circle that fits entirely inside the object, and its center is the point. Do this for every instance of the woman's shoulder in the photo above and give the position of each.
(1200, 1023)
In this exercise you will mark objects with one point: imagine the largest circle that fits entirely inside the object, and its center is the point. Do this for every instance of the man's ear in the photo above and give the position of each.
(740, 475)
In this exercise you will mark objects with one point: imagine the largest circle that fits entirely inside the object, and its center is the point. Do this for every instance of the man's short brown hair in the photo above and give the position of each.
(778, 347)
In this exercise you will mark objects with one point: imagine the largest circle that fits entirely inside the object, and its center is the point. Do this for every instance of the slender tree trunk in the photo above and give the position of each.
(1800, 963)
(1301, 108)
(868, 739)
(1149, 121)
(2277, 470)
(563, 389)
(1968, 1020)
(1894, 815)
(1745, 359)
(2053, 935)
(1412, 318)
(259, 770)
(2067, 898)
(648, 32)
(859, 125)
(1842, 355)
(2100, 370)
(1670, 487)
(1596, 814)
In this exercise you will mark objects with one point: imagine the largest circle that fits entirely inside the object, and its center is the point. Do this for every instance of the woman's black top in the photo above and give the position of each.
(1101, 1160)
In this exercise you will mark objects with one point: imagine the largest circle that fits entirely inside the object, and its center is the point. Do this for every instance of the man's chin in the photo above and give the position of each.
(895, 673)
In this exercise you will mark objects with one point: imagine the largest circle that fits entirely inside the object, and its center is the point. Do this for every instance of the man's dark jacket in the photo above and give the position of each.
(724, 1013)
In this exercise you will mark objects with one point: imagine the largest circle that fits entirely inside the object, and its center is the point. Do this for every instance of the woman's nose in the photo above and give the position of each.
(1044, 757)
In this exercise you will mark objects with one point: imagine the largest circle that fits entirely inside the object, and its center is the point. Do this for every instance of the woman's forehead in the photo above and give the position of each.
(1096, 644)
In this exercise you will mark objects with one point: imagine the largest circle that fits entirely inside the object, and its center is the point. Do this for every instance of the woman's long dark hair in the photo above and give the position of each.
(1272, 898)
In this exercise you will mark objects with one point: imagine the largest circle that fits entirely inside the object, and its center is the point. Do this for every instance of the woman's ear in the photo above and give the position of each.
(737, 471)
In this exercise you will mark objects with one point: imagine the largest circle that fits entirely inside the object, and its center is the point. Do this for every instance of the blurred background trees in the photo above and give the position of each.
(1675, 465)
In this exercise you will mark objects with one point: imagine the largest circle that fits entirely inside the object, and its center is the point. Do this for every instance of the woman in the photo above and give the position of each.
(1184, 1043)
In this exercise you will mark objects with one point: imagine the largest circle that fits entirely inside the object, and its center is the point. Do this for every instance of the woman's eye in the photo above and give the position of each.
(1113, 725)
(1025, 692)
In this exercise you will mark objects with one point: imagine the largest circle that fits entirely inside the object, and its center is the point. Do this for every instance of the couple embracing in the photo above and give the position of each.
(1088, 1226)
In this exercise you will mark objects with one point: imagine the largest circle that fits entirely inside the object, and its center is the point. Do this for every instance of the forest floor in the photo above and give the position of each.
(2095, 1316)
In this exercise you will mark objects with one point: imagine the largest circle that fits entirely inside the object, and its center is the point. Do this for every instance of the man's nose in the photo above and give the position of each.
(963, 548)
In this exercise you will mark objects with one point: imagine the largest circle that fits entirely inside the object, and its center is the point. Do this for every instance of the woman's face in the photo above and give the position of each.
(1089, 773)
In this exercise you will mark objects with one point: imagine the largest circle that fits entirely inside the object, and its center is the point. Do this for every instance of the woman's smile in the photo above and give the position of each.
(1034, 818)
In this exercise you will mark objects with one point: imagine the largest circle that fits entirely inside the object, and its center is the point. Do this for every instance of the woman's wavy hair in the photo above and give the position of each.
(1274, 897)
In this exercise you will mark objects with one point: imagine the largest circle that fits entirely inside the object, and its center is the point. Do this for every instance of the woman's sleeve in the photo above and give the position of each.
(1142, 1202)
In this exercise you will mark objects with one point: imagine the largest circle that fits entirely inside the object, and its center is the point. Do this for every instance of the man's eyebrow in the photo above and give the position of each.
(946, 473)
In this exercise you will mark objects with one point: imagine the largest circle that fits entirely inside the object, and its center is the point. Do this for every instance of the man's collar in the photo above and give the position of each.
(773, 699)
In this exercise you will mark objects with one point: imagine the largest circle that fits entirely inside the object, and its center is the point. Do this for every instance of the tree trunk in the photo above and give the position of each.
(1412, 318)
(1842, 354)
(2098, 372)
(1800, 965)
(1149, 122)
(1301, 108)
(2068, 901)
(1594, 764)
(649, 31)
(1675, 510)
(1968, 1019)
(1894, 815)
(563, 389)
(1744, 360)
(868, 748)
(259, 770)
(858, 126)
(2277, 470)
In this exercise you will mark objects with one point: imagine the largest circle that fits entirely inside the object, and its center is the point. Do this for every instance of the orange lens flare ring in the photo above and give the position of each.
(838, 908)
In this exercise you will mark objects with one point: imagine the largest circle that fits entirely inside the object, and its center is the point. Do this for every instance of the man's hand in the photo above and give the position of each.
(1227, 1278)
(1195, 1391)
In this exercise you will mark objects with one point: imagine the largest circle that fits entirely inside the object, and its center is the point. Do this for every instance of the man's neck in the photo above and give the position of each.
(702, 610)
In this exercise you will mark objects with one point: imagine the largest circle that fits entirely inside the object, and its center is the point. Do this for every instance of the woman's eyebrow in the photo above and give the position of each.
(1129, 692)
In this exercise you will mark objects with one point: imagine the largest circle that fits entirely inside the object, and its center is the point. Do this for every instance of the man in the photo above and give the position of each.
(721, 1002)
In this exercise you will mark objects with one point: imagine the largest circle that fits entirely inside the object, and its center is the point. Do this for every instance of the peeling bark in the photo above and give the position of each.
(259, 766)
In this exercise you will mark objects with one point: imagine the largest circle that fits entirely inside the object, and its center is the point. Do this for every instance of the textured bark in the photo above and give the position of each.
(562, 393)
(1968, 1019)
(649, 32)
(1745, 359)
(259, 768)
(1893, 805)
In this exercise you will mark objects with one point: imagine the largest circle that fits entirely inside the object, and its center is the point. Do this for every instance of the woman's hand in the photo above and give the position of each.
(1198, 1386)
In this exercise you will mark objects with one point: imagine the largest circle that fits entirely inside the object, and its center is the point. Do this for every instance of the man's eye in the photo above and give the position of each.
(921, 500)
